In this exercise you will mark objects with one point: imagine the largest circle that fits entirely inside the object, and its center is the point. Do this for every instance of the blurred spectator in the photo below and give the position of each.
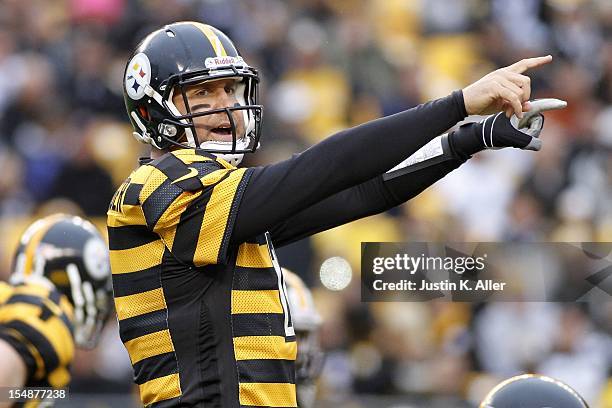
(581, 355)
(81, 179)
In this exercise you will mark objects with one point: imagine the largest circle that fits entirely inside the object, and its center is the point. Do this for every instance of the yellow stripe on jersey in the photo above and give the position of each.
(156, 178)
(168, 235)
(213, 38)
(140, 303)
(49, 304)
(254, 256)
(264, 348)
(268, 394)
(60, 377)
(160, 389)
(67, 307)
(137, 258)
(40, 363)
(41, 229)
(256, 301)
(49, 341)
(6, 291)
(215, 220)
(149, 345)
(53, 329)
(214, 177)
(32, 289)
(189, 156)
(141, 174)
(130, 215)
(224, 163)
(173, 212)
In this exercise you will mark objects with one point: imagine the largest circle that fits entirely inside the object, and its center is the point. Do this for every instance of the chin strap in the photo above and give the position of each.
(232, 158)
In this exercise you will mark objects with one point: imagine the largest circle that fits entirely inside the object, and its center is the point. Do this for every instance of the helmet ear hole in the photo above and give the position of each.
(144, 113)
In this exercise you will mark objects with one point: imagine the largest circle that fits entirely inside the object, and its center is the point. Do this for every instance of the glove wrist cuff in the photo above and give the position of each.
(466, 140)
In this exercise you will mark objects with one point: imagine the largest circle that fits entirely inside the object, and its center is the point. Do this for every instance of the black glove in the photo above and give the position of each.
(498, 131)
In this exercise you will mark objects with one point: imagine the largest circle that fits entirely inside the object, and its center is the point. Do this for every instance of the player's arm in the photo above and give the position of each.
(352, 157)
(37, 333)
(349, 158)
(377, 195)
(265, 196)
(198, 217)
(13, 371)
(408, 179)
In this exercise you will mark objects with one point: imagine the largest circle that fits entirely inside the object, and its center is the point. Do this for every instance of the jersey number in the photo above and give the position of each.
(119, 196)
(282, 289)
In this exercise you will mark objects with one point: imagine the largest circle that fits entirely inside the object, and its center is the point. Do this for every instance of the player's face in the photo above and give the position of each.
(208, 96)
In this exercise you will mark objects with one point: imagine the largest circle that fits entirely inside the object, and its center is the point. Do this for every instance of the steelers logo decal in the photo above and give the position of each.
(137, 76)
(95, 257)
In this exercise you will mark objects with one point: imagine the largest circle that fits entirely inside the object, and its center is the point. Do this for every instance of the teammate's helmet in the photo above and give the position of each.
(174, 57)
(306, 322)
(69, 253)
(533, 391)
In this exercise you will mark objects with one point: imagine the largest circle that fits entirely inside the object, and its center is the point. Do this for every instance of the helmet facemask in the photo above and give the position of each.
(243, 118)
(91, 308)
(310, 358)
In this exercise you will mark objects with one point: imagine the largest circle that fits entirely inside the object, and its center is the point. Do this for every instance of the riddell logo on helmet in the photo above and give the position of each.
(215, 62)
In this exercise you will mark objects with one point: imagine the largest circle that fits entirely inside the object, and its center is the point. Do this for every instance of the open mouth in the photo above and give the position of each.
(223, 130)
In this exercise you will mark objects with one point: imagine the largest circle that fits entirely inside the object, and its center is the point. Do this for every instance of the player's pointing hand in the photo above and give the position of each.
(505, 89)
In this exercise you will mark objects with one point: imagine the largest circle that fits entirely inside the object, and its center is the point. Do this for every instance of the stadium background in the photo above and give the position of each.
(65, 145)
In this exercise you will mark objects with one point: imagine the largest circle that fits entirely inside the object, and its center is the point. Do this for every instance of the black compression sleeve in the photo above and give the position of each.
(459, 149)
(365, 199)
(369, 198)
(404, 188)
(346, 159)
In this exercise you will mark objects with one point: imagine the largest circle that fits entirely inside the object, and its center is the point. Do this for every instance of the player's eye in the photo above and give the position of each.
(203, 92)
(230, 89)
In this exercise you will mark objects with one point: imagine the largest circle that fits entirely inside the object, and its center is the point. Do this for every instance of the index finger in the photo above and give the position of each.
(528, 63)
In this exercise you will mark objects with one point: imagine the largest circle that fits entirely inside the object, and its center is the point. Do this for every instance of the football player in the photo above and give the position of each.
(58, 296)
(306, 322)
(198, 290)
(532, 391)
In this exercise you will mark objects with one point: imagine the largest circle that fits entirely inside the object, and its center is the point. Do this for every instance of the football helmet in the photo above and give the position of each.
(306, 322)
(68, 253)
(533, 391)
(170, 60)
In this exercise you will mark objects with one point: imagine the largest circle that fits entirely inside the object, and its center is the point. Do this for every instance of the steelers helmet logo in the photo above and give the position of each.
(137, 76)
(95, 256)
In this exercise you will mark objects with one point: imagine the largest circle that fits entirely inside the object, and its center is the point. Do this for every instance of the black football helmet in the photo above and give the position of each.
(68, 253)
(169, 60)
(533, 391)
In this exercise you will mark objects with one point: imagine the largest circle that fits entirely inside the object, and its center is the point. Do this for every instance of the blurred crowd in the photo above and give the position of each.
(65, 145)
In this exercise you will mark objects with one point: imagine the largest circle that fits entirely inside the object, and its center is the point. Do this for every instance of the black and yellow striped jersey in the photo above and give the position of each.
(37, 322)
(205, 321)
